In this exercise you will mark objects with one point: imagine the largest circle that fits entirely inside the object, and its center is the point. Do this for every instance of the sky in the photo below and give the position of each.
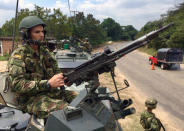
(125, 12)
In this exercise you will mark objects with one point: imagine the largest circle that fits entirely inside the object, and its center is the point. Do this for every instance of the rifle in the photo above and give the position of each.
(105, 62)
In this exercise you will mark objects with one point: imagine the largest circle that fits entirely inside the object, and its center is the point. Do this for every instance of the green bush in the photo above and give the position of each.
(4, 58)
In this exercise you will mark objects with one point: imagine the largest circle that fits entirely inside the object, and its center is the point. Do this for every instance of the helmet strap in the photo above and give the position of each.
(34, 42)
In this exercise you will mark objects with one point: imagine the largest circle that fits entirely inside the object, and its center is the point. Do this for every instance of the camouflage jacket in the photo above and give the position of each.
(149, 122)
(29, 71)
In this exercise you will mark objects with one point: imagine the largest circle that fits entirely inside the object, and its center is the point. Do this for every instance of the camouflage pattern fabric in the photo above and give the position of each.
(29, 72)
(149, 122)
(86, 46)
(45, 103)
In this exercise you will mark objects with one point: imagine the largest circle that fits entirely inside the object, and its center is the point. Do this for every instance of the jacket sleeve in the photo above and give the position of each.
(55, 64)
(142, 121)
(19, 77)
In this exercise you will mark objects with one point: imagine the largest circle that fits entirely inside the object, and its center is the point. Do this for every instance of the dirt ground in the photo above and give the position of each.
(130, 123)
(3, 66)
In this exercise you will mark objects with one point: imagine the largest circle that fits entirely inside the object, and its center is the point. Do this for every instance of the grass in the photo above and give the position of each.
(149, 51)
(4, 58)
(131, 123)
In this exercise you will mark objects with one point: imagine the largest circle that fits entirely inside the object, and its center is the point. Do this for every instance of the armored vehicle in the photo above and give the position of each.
(68, 59)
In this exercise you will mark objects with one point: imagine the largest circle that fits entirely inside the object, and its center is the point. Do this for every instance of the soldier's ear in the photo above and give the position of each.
(25, 33)
(45, 32)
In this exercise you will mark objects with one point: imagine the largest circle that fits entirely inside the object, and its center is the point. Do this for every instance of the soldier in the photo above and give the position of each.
(148, 119)
(87, 45)
(51, 45)
(34, 73)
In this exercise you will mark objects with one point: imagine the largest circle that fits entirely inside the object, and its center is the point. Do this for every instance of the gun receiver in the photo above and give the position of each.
(105, 62)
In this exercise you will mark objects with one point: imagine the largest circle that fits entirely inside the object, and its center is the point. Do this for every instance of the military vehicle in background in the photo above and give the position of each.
(70, 55)
(167, 57)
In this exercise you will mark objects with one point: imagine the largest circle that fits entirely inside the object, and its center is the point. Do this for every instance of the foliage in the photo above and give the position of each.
(150, 51)
(128, 32)
(88, 27)
(60, 26)
(7, 28)
(117, 32)
(174, 36)
(4, 58)
(112, 28)
(0, 31)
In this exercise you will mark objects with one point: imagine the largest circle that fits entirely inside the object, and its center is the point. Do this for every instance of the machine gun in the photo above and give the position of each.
(105, 62)
(94, 106)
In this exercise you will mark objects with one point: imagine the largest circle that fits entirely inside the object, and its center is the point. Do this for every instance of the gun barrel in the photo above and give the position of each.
(127, 112)
(138, 42)
(125, 103)
(124, 112)
(105, 62)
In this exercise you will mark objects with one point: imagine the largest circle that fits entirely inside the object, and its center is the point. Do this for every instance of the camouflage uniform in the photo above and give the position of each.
(29, 72)
(87, 47)
(148, 119)
(149, 122)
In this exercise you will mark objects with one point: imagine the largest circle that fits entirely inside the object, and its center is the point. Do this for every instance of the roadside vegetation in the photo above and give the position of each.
(150, 51)
(174, 36)
(60, 26)
(4, 58)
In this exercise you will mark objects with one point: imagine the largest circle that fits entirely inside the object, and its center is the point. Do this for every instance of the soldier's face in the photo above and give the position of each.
(37, 33)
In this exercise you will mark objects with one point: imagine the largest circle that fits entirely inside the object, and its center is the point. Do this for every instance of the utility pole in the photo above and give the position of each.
(69, 7)
(14, 28)
(74, 12)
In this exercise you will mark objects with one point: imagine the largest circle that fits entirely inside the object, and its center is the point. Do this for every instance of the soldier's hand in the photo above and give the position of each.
(57, 81)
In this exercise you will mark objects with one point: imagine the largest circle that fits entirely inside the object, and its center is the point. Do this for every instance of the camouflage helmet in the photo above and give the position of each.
(30, 21)
(151, 103)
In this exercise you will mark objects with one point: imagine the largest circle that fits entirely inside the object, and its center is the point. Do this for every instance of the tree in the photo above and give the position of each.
(128, 32)
(177, 38)
(112, 28)
(0, 32)
(174, 36)
(7, 28)
(88, 26)
(60, 26)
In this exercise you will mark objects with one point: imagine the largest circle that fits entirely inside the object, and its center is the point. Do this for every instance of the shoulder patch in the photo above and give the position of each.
(17, 56)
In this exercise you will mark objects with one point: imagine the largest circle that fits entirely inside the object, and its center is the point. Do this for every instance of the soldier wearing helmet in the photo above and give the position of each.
(85, 45)
(151, 103)
(51, 45)
(148, 119)
(34, 72)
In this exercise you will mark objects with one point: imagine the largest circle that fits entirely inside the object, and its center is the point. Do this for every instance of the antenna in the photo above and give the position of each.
(14, 28)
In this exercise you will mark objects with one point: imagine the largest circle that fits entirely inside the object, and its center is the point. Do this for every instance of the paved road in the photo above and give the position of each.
(165, 85)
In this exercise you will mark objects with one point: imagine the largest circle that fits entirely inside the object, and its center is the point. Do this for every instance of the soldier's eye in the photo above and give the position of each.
(37, 32)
